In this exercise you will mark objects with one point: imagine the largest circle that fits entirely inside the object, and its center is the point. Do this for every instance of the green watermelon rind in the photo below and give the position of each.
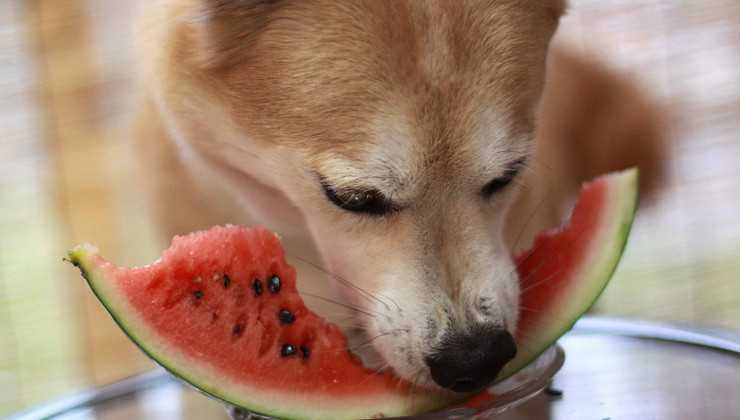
(624, 194)
(255, 400)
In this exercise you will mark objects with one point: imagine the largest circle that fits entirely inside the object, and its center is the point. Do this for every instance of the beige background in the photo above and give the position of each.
(66, 177)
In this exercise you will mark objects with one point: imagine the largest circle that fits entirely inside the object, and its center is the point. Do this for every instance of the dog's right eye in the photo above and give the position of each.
(371, 202)
(498, 184)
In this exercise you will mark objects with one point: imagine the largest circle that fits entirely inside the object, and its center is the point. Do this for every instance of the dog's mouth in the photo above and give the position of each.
(395, 351)
(449, 358)
(389, 350)
(361, 344)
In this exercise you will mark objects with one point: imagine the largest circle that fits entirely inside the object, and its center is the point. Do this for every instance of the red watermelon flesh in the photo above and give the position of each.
(566, 269)
(196, 311)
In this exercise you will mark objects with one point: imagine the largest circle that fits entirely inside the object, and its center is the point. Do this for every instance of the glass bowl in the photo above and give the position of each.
(510, 393)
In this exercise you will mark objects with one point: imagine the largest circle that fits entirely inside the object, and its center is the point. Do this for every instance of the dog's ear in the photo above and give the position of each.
(225, 29)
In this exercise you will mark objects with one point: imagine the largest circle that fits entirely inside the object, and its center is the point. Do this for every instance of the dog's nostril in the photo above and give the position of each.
(470, 360)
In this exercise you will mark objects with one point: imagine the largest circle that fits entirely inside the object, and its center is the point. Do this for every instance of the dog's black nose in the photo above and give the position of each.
(468, 361)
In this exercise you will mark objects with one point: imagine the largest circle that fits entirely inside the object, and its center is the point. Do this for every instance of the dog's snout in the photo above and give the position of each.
(470, 360)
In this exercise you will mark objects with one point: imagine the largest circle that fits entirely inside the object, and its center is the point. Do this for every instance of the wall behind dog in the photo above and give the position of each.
(67, 176)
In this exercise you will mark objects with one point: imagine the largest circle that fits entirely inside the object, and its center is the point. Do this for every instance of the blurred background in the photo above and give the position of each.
(66, 101)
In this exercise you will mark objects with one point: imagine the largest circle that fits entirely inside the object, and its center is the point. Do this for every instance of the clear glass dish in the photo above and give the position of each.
(510, 393)
(617, 368)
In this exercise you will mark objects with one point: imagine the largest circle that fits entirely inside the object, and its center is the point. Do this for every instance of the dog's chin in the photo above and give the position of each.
(391, 358)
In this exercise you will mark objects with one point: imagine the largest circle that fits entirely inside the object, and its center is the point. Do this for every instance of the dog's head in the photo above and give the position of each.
(397, 128)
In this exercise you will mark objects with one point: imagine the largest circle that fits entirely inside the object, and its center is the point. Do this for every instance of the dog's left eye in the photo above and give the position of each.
(498, 184)
(371, 202)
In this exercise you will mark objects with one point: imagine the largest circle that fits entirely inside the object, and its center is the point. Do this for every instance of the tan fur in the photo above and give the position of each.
(249, 102)
(593, 120)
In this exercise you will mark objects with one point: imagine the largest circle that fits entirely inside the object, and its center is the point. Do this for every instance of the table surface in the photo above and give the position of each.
(65, 177)
(605, 376)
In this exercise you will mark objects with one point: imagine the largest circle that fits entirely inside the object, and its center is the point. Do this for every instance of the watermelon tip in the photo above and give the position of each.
(79, 255)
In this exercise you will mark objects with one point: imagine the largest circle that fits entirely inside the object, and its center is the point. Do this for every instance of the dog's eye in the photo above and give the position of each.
(498, 184)
(371, 202)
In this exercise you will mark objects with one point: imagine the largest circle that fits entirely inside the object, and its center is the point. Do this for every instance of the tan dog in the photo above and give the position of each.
(392, 138)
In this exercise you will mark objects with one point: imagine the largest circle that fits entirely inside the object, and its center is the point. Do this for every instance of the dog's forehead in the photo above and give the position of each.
(400, 156)
(417, 79)
(385, 158)
(473, 38)
(451, 81)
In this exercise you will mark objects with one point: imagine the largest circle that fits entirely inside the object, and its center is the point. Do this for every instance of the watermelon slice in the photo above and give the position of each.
(566, 269)
(220, 309)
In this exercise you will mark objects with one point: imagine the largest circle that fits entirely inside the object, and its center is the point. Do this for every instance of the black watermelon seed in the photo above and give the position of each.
(274, 284)
(287, 350)
(227, 281)
(257, 286)
(237, 330)
(286, 317)
(198, 294)
(306, 352)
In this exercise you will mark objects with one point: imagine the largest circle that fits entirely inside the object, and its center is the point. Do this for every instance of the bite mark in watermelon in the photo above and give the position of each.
(566, 269)
(220, 309)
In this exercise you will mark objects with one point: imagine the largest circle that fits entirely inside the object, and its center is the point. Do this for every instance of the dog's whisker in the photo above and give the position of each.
(342, 281)
(540, 282)
(530, 219)
(349, 327)
(347, 323)
(534, 272)
(350, 318)
(520, 263)
(539, 161)
(370, 341)
(391, 300)
(542, 166)
(344, 305)
(415, 383)
(532, 251)
(364, 292)
(523, 260)
(419, 374)
(373, 339)
(382, 368)
(400, 382)
(377, 371)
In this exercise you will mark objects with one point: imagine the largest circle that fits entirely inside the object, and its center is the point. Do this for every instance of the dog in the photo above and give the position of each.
(407, 148)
